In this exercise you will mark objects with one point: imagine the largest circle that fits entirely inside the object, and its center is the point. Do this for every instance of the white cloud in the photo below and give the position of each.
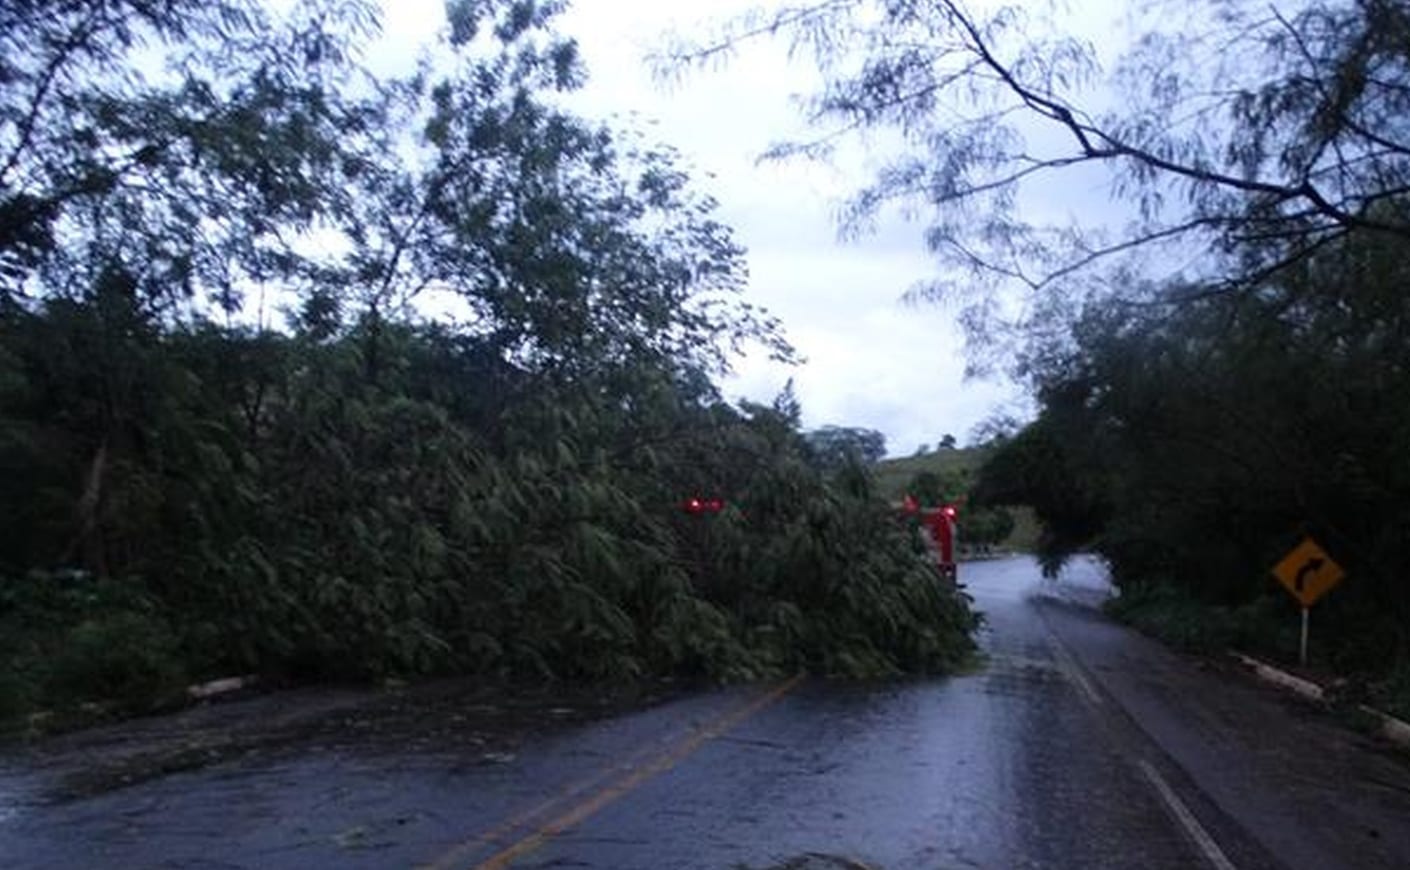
(871, 360)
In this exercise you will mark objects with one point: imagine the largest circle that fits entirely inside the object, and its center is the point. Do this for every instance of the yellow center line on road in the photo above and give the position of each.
(458, 854)
(637, 771)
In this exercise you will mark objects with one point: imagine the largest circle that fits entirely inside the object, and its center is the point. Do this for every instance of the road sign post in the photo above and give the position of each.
(1308, 573)
(1302, 645)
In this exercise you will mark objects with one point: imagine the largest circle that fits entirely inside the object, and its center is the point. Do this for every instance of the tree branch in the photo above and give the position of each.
(1112, 147)
(25, 129)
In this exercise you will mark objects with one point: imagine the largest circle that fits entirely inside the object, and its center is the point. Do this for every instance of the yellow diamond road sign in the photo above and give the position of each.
(1308, 572)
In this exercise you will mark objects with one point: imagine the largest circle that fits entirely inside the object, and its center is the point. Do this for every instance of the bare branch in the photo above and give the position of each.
(25, 129)
(1127, 245)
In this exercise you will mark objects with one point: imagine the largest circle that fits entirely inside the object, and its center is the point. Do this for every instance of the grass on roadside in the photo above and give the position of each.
(1392, 693)
(1163, 611)
(1266, 627)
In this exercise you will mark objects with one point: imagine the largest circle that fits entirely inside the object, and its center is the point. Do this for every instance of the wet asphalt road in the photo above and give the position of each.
(1077, 744)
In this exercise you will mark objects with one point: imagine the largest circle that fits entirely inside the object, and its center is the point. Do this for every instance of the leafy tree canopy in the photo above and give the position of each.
(832, 447)
(465, 448)
(1249, 135)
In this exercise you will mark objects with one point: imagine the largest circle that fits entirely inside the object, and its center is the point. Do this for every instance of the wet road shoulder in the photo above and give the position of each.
(1283, 782)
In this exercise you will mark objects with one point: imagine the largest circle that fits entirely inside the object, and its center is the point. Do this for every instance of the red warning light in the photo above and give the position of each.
(696, 505)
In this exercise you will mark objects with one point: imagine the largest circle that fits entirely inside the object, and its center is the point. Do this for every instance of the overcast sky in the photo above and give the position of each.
(871, 360)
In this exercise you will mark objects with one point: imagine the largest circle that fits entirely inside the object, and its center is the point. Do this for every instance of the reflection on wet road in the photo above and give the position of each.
(1075, 744)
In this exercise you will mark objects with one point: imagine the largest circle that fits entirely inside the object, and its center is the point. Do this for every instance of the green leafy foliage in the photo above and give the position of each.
(929, 489)
(953, 469)
(367, 492)
(1169, 613)
(985, 527)
(1193, 445)
(832, 447)
(363, 533)
(70, 635)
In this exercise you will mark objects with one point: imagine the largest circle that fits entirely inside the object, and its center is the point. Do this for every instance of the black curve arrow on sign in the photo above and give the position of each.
(1309, 568)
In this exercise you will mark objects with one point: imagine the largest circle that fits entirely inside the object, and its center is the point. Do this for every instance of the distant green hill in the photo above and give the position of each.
(892, 476)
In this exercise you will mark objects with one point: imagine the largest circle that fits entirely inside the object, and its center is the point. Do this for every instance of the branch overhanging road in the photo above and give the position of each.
(1076, 744)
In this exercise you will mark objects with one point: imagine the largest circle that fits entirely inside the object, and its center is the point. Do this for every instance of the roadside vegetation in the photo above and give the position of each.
(1193, 430)
(953, 467)
(1224, 366)
(946, 475)
(1192, 449)
(327, 377)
